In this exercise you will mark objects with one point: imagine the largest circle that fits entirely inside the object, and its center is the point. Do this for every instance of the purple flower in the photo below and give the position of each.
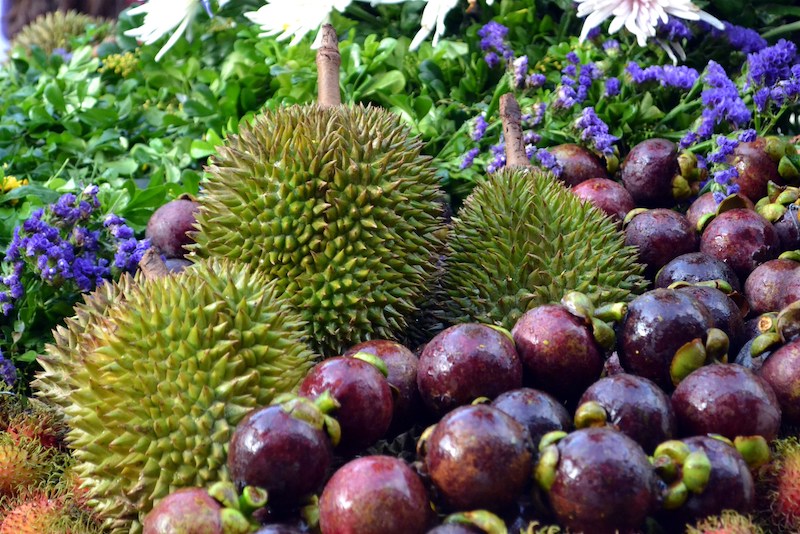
(549, 161)
(520, 71)
(469, 158)
(612, 86)
(744, 39)
(725, 176)
(673, 30)
(611, 45)
(767, 66)
(499, 159)
(493, 36)
(595, 132)
(725, 148)
(8, 373)
(572, 57)
(479, 129)
(538, 113)
(680, 77)
(536, 80)
(747, 136)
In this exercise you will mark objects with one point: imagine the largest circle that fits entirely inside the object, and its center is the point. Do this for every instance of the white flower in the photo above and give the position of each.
(164, 16)
(433, 17)
(640, 17)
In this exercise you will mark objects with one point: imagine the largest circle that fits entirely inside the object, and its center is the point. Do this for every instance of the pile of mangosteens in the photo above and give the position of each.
(660, 415)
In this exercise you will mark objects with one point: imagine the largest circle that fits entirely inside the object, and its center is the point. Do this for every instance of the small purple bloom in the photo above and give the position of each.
(612, 86)
(747, 136)
(479, 129)
(469, 158)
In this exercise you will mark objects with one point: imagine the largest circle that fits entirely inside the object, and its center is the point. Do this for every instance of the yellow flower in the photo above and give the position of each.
(11, 182)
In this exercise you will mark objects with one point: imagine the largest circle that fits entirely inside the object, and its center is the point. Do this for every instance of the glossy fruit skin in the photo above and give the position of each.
(577, 164)
(741, 238)
(788, 228)
(363, 393)
(648, 170)
(756, 169)
(696, 267)
(168, 226)
(781, 370)
(273, 450)
(606, 195)
(464, 362)
(660, 235)
(705, 204)
(636, 406)
(604, 482)
(186, 511)
(558, 350)
(725, 313)
(764, 288)
(657, 324)
(374, 494)
(479, 458)
(726, 399)
(537, 411)
(402, 367)
(730, 485)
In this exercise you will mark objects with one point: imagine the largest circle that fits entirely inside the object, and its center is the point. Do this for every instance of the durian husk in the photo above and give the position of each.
(164, 377)
(521, 240)
(56, 29)
(339, 207)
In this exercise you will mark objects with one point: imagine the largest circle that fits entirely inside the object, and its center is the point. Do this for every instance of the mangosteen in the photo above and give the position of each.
(464, 362)
(606, 195)
(478, 457)
(755, 170)
(788, 228)
(706, 204)
(577, 164)
(598, 480)
(781, 370)
(536, 410)
(764, 287)
(169, 228)
(741, 238)
(185, 510)
(657, 325)
(363, 394)
(648, 172)
(634, 405)
(696, 267)
(559, 350)
(660, 235)
(726, 399)
(374, 494)
(725, 312)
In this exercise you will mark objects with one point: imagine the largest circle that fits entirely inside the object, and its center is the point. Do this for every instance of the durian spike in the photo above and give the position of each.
(152, 266)
(328, 61)
(511, 116)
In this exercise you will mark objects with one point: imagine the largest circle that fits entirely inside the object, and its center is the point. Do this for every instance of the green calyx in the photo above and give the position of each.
(522, 240)
(696, 353)
(314, 412)
(683, 470)
(546, 467)
(483, 520)
(581, 306)
(236, 515)
(590, 414)
(339, 207)
(373, 360)
(754, 449)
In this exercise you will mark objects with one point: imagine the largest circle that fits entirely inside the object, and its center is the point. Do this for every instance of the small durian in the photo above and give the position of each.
(336, 204)
(522, 239)
(159, 380)
(56, 29)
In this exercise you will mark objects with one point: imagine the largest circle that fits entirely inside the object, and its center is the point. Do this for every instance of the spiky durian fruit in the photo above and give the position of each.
(55, 30)
(169, 373)
(521, 240)
(74, 339)
(337, 206)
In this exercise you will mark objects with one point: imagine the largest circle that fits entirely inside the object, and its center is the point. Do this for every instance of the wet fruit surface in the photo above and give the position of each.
(696, 267)
(728, 400)
(536, 410)
(741, 238)
(607, 195)
(275, 451)
(764, 288)
(781, 370)
(465, 362)
(577, 164)
(185, 511)
(660, 235)
(725, 313)
(478, 457)
(604, 482)
(755, 170)
(648, 171)
(374, 494)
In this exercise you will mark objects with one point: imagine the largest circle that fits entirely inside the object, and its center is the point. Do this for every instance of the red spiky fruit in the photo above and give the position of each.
(40, 513)
(39, 423)
(24, 464)
(783, 478)
(728, 522)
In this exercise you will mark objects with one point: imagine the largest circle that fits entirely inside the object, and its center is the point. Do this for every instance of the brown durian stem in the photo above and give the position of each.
(511, 116)
(152, 266)
(328, 62)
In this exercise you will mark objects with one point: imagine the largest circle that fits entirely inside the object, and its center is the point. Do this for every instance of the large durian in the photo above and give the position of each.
(159, 380)
(336, 204)
(522, 239)
(56, 29)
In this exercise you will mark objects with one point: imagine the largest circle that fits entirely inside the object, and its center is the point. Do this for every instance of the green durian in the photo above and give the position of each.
(56, 29)
(522, 239)
(159, 380)
(338, 206)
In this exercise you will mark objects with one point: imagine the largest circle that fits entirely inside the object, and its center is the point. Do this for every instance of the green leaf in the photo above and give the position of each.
(53, 94)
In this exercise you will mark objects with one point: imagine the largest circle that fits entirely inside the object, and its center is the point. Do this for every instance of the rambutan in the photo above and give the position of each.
(728, 522)
(25, 464)
(46, 512)
(40, 423)
(782, 478)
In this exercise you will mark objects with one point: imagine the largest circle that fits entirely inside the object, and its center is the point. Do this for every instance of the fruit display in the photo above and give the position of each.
(507, 280)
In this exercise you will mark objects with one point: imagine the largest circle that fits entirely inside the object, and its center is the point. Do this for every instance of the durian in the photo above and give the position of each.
(337, 205)
(56, 29)
(165, 376)
(522, 239)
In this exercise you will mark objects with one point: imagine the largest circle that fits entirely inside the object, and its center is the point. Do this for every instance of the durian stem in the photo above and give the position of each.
(152, 266)
(328, 61)
(511, 116)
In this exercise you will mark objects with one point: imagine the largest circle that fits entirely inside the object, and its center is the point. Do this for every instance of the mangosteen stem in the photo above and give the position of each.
(511, 116)
(328, 62)
(152, 266)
